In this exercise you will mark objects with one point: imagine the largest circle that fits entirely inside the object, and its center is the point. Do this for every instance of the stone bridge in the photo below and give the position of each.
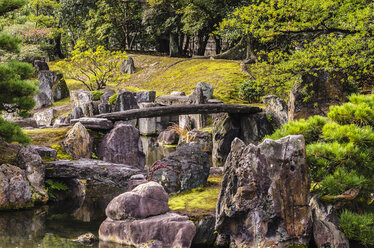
(90, 169)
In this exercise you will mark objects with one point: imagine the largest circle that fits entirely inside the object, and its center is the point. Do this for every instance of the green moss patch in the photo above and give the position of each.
(47, 136)
(198, 202)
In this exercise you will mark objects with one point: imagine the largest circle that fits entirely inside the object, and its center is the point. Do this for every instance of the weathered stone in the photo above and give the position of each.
(45, 151)
(45, 117)
(95, 107)
(168, 137)
(205, 233)
(104, 108)
(62, 121)
(192, 121)
(168, 100)
(52, 83)
(254, 128)
(125, 101)
(136, 180)
(84, 100)
(265, 194)
(225, 130)
(207, 90)
(277, 109)
(187, 168)
(204, 138)
(104, 98)
(77, 113)
(78, 142)
(123, 145)
(27, 122)
(148, 199)
(42, 101)
(40, 65)
(132, 122)
(322, 91)
(168, 230)
(15, 190)
(128, 65)
(91, 169)
(326, 224)
(145, 96)
(177, 93)
(30, 160)
(87, 239)
(94, 123)
(147, 125)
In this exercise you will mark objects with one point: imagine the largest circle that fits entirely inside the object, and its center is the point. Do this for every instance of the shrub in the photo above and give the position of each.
(250, 91)
(11, 132)
(97, 94)
(358, 227)
(113, 99)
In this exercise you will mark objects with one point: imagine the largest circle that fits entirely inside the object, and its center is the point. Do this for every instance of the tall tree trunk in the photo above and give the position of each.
(217, 39)
(186, 45)
(173, 48)
(58, 49)
(202, 42)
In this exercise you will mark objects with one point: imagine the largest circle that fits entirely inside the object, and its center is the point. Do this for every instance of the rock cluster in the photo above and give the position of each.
(140, 218)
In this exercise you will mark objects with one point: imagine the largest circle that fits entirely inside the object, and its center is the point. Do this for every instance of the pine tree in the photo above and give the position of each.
(16, 91)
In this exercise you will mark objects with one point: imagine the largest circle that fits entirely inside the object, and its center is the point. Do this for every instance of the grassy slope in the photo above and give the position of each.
(155, 73)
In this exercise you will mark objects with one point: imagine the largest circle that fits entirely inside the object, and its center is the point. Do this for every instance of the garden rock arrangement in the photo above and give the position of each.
(265, 194)
(45, 117)
(140, 218)
(186, 168)
(277, 110)
(78, 142)
(84, 100)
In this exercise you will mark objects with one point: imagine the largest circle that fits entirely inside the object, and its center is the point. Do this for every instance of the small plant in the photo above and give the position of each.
(97, 94)
(113, 99)
(53, 186)
(180, 131)
(250, 91)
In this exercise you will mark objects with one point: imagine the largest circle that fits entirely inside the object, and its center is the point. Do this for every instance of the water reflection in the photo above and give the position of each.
(154, 152)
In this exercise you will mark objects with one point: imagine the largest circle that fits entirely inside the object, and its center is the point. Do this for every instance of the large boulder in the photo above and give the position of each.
(225, 130)
(128, 66)
(104, 98)
(264, 197)
(326, 231)
(167, 230)
(78, 142)
(15, 190)
(29, 160)
(122, 145)
(125, 101)
(84, 100)
(148, 199)
(277, 110)
(52, 83)
(185, 169)
(316, 92)
(146, 96)
(207, 89)
(42, 100)
(45, 117)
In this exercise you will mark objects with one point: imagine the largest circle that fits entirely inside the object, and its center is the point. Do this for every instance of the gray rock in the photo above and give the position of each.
(52, 83)
(84, 100)
(24, 123)
(326, 224)
(95, 107)
(94, 123)
(87, 239)
(188, 168)
(168, 137)
(132, 122)
(29, 159)
(40, 66)
(225, 130)
(265, 194)
(104, 98)
(167, 100)
(168, 230)
(277, 109)
(145, 96)
(147, 126)
(62, 121)
(45, 117)
(122, 145)
(207, 89)
(128, 66)
(15, 190)
(78, 142)
(45, 151)
(148, 199)
(322, 89)
(42, 101)
(205, 233)
(254, 128)
(214, 101)
(77, 113)
(135, 181)
(204, 138)
(177, 93)
(125, 101)
(197, 121)
(104, 108)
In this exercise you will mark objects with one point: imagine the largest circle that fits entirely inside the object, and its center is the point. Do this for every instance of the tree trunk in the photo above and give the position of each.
(218, 44)
(58, 49)
(173, 48)
(202, 42)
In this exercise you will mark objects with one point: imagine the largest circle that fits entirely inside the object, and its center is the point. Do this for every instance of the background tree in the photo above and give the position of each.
(93, 68)
(15, 91)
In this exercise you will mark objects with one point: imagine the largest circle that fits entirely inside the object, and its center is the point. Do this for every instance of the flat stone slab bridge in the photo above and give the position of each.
(180, 110)
(90, 169)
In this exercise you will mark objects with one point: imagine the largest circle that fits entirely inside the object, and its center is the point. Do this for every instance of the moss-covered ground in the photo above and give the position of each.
(198, 202)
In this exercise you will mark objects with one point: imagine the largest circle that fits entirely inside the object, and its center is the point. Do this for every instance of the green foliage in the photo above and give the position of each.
(97, 94)
(358, 227)
(61, 154)
(341, 181)
(11, 132)
(53, 186)
(113, 99)
(250, 91)
(96, 67)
